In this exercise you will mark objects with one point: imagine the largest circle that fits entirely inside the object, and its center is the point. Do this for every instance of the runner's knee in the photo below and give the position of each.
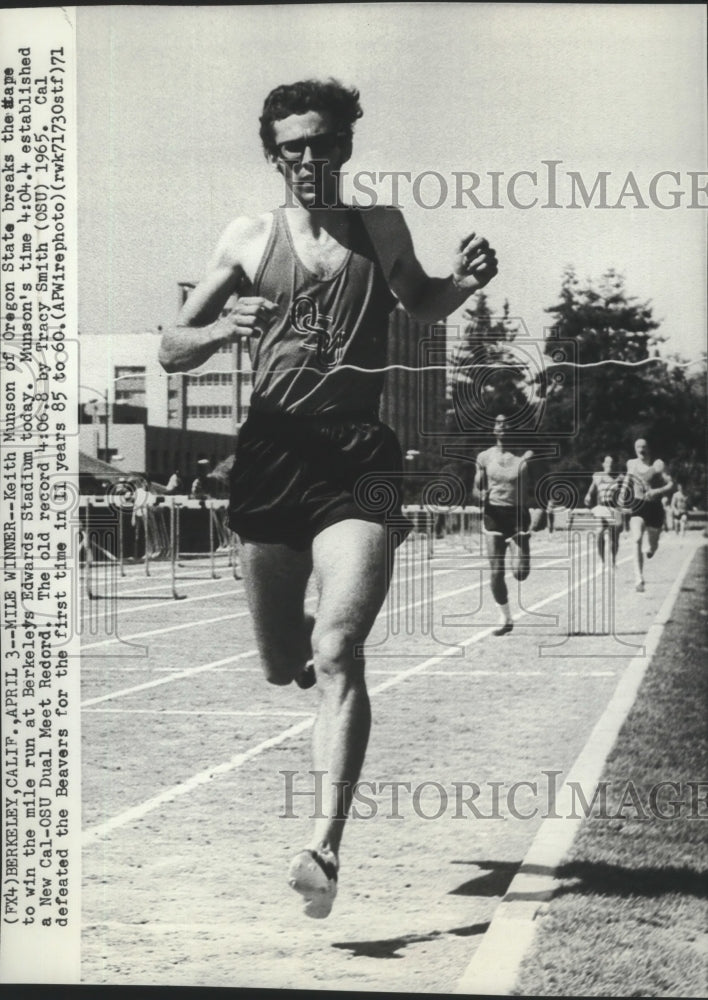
(277, 669)
(334, 650)
(280, 662)
(280, 680)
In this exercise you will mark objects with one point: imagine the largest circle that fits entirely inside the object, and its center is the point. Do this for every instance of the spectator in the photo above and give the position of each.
(174, 484)
(200, 487)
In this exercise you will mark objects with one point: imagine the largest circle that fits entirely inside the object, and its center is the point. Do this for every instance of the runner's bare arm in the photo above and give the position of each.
(427, 299)
(591, 494)
(201, 328)
(660, 491)
(480, 480)
(525, 480)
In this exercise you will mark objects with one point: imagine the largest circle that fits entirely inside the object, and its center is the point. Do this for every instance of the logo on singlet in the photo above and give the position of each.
(307, 320)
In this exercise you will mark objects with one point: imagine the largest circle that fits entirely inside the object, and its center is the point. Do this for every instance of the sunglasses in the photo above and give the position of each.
(320, 146)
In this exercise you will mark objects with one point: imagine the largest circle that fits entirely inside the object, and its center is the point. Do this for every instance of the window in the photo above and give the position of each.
(210, 412)
(130, 383)
(212, 378)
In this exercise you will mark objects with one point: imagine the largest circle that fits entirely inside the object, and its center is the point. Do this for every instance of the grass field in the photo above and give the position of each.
(634, 918)
(186, 831)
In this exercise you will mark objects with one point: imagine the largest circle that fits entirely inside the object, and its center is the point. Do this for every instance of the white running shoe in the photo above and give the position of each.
(314, 875)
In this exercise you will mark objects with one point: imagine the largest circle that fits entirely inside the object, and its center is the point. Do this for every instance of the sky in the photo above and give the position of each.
(169, 99)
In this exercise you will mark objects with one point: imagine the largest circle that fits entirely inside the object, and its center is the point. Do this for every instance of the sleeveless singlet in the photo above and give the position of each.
(502, 477)
(679, 503)
(319, 326)
(646, 478)
(605, 484)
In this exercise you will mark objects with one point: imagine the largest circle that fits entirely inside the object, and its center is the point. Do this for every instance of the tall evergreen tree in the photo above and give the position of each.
(487, 377)
(609, 406)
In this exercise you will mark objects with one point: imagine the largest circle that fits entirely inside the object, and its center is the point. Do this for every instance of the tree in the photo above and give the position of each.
(609, 406)
(605, 322)
(486, 376)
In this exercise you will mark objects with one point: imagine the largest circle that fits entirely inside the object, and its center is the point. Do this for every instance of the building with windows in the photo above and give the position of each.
(123, 385)
(130, 410)
(132, 445)
(124, 370)
(214, 397)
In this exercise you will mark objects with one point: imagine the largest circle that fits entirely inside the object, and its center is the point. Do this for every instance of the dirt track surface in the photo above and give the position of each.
(186, 846)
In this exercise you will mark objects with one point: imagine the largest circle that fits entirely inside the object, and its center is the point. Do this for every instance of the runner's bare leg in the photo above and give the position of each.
(520, 555)
(636, 531)
(653, 539)
(275, 578)
(496, 551)
(352, 574)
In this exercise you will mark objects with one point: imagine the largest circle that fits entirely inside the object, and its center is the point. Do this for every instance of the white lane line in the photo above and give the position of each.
(193, 711)
(373, 672)
(195, 623)
(238, 760)
(202, 778)
(103, 666)
(104, 611)
(158, 583)
(181, 675)
(471, 674)
(165, 631)
(241, 929)
(131, 591)
(495, 964)
(512, 673)
(238, 614)
(217, 670)
(590, 673)
(242, 614)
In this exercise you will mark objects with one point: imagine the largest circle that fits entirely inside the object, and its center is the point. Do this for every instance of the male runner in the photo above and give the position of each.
(602, 500)
(501, 483)
(679, 510)
(645, 483)
(314, 283)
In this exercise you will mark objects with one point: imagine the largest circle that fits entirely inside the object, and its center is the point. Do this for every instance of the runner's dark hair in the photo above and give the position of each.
(326, 96)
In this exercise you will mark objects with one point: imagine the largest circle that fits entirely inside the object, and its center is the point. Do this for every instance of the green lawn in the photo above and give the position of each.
(634, 919)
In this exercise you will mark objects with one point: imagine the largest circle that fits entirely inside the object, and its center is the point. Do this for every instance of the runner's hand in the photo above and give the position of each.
(475, 263)
(249, 317)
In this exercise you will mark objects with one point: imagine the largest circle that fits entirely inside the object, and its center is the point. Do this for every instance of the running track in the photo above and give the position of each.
(185, 847)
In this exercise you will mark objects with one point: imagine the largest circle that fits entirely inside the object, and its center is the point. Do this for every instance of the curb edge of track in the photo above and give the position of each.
(494, 967)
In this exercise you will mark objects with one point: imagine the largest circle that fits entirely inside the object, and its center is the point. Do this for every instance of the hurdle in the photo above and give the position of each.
(159, 519)
(438, 522)
(221, 539)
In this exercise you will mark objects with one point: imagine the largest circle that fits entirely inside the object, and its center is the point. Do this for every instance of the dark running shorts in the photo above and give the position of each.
(294, 476)
(651, 512)
(506, 521)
